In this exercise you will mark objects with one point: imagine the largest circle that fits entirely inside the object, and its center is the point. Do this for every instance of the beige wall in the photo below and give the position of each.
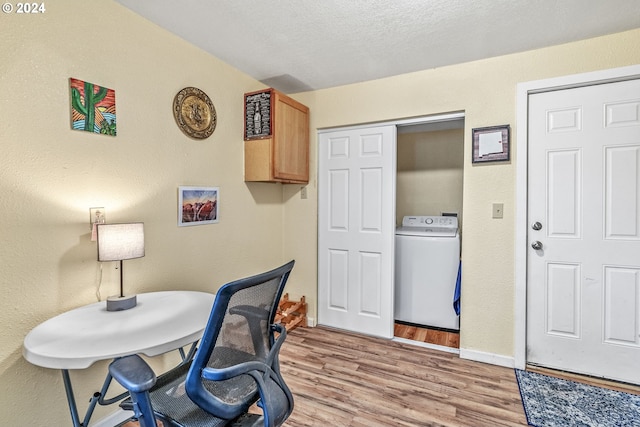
(430, 170)
(486, 91)
(50, 176)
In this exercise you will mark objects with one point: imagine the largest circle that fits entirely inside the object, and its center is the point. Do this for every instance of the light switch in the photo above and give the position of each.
(303, 192)
(498, 210)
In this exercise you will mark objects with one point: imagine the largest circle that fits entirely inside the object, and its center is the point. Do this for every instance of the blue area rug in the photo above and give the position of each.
(555, 402)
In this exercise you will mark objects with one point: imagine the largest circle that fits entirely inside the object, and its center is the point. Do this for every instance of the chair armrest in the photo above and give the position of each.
(220, 374)
(133, 373)
(282, 331)
(249, 311)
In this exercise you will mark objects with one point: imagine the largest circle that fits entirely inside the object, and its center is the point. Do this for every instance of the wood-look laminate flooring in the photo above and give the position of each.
(349, 380)
(427, 335)
(343, 379)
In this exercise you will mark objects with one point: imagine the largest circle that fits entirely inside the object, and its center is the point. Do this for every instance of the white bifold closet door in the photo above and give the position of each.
(356, 229)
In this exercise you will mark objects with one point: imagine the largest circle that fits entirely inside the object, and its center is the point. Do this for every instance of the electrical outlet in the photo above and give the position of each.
(97, 215)
(498, 210)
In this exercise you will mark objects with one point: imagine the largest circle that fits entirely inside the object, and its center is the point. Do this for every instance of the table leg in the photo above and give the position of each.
(97, 398)
(186, 358)
(71, 398)
(100, 397)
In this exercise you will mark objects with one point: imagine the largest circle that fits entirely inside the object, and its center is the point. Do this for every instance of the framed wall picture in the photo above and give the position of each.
(257, 114)
(490, 144)
(198, 205)
(93, 107)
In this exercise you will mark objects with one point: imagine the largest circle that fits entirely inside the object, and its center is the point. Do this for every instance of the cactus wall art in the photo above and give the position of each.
(93, 108)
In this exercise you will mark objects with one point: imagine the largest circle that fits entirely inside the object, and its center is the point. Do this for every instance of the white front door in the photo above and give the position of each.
(583, 276)
(356, 223)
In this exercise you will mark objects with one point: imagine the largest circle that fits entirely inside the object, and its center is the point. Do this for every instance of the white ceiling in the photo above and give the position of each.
(300, 45)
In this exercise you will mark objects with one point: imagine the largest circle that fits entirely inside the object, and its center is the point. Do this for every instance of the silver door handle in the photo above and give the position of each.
(536, 226)
(536, 245)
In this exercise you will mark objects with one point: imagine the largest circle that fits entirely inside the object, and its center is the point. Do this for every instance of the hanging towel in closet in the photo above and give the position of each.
(456, 292)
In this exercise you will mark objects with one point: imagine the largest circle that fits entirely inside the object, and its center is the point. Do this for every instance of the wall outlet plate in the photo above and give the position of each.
(97, 215)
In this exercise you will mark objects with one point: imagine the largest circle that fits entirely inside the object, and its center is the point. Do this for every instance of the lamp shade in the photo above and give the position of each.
(120, 241)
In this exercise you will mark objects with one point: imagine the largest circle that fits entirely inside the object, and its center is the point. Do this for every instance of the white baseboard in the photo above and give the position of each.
(113, 419)
(491, 358)
(311, 322)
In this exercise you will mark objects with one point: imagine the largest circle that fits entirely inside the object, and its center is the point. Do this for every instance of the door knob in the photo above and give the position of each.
(536, 226)
(536, 245)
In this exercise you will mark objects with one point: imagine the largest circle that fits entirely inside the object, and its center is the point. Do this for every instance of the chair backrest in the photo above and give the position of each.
(239, 330)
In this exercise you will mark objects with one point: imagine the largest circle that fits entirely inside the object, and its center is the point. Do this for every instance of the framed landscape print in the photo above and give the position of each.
(198, 205)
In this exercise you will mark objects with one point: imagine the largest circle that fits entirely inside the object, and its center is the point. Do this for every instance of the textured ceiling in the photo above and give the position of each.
(300, 45)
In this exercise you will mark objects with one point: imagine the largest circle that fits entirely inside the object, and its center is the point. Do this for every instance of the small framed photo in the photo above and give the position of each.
(198, 205)
(490, 144)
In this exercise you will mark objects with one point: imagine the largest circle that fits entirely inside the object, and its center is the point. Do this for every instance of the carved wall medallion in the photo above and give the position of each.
(194, 113)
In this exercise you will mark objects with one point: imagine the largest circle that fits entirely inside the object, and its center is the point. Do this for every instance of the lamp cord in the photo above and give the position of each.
(121, 287)
(99, 283)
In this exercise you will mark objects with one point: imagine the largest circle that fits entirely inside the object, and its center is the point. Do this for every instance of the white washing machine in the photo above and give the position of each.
(426, 271)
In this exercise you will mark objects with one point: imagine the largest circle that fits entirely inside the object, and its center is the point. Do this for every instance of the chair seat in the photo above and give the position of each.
(171, 402)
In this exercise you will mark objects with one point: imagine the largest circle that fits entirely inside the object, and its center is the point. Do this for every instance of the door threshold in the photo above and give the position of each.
(586, 379)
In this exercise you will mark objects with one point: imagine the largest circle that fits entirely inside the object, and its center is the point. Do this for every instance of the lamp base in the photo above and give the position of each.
(115, 303)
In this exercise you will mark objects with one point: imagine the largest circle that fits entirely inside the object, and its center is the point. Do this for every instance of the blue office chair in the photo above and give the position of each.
(235, 366)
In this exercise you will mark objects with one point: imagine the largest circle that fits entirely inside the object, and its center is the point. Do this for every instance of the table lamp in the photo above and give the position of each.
(117, 242)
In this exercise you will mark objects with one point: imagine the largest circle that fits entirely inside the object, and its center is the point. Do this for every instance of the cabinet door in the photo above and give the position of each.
(291, 140)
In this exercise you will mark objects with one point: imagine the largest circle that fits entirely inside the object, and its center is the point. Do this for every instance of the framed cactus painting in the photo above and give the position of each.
(93, 108)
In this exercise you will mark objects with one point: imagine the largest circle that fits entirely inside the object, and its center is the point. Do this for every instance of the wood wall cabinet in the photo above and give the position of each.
(276, 146)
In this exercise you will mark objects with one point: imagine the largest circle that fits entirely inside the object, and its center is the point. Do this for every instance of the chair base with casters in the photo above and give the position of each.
(235, 366)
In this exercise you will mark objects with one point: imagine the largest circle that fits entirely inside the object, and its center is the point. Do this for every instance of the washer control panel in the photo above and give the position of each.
(441, 222)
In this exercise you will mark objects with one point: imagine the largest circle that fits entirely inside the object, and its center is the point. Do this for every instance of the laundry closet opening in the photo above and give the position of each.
(429, 188)
(370, 177)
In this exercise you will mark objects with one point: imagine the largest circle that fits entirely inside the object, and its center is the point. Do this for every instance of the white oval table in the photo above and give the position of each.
(159, 323)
